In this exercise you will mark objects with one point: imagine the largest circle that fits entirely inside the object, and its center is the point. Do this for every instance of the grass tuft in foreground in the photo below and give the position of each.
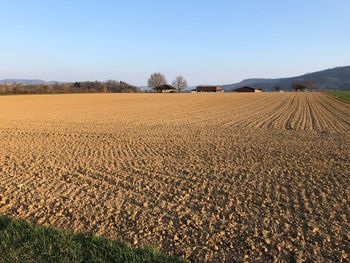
(21, 241)
(341, 94)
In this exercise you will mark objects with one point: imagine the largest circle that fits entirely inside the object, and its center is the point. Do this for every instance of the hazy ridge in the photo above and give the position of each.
(330, 79)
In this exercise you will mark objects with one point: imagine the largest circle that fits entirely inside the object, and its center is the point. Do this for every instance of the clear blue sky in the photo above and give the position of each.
(206, 41)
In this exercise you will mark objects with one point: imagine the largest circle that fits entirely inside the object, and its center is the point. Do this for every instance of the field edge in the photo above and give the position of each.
(23, 241)
(343, 95)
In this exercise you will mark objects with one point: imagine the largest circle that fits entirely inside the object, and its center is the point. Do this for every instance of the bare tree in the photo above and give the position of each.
(298, 86)
(67, 88)
(277, 88)
(180, 83)
(307, 85)
(156, 80)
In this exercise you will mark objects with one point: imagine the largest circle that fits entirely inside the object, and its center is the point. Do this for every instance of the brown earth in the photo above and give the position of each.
(211, 177)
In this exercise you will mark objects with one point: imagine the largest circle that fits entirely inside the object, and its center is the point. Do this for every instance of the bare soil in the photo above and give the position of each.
(211, 177)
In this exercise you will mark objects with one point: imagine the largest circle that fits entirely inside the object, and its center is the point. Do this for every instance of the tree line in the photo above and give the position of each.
(110, 86)
(303, 85)
(155, 81)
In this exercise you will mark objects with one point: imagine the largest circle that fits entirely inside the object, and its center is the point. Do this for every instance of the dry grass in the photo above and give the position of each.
(212, 177)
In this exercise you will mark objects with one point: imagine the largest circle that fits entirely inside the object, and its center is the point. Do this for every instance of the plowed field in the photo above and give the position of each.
(211, 177)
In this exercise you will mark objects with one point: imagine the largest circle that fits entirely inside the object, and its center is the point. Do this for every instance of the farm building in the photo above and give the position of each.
(247, 89)
(209, 89)
(166, 88)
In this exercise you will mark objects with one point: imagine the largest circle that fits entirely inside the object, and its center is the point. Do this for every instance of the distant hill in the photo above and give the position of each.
(330, 79)
(28, 81)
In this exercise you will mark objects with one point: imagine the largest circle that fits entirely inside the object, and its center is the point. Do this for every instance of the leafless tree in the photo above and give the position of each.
(298, 86)
(156, 80)
(277, 88)
(180, 83)
(67, 88)
(306, 85)
(310, 85)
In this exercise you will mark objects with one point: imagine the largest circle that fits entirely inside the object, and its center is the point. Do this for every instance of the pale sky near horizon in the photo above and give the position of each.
(208, 42)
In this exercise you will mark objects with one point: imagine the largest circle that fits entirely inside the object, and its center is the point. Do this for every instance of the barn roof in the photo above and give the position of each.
(166, 86)
(246, 87)
(209, 88)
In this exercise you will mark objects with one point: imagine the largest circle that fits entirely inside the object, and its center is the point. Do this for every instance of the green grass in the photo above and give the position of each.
(21, 241)
(341, 94)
